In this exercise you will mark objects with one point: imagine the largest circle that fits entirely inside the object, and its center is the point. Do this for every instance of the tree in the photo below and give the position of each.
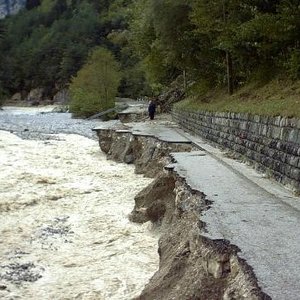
(96, 85)
(161, 37)
(45, 47)
(30, 4)
(218, 21)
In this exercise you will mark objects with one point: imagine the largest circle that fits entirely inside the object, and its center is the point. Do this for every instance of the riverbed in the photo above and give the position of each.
(64, 230)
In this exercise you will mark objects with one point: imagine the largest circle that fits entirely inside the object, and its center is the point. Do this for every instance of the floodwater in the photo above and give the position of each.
(64, 231)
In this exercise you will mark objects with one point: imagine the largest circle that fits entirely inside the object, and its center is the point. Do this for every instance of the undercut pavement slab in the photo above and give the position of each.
(264, 226)
(163, 132)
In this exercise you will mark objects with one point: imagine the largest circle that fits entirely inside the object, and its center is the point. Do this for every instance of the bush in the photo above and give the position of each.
(96, 85)
(293, 64)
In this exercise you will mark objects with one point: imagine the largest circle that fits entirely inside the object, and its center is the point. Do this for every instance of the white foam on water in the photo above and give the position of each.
(64, 208)
(27, 110)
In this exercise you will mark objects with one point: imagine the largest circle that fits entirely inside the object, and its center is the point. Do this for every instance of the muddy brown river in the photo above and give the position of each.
(64, 231)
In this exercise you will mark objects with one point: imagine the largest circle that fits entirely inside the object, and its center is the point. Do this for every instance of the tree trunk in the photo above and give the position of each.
(184, 81)
(230, 84)
(229, 66)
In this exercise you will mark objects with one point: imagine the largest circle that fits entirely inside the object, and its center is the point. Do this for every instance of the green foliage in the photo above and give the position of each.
(154, 41)
(46, 6)
(197, 36)
(45, 45)
(276, 98)
(133, 82)
(30, 4)
(293, 63)
(95, 87)
(161, 38)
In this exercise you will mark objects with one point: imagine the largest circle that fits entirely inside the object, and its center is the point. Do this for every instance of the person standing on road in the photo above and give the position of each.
(151, 109)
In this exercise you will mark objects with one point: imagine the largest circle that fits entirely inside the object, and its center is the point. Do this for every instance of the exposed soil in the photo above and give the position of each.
(191, 265)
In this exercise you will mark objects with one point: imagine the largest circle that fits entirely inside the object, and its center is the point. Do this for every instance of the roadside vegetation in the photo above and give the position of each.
(95, 86)
(276, 98)
(223, 49)
(46, 44)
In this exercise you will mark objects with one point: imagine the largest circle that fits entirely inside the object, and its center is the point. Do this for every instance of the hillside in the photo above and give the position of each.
(277, 97)
(233, 47)
(46, 44)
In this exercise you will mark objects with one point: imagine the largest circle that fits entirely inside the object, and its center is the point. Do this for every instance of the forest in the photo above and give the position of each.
(200, 44)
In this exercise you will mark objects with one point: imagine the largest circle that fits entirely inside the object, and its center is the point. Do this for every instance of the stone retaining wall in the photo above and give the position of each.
(272, 143)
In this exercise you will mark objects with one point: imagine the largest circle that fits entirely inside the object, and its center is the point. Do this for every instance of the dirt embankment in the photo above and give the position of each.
(191, 266)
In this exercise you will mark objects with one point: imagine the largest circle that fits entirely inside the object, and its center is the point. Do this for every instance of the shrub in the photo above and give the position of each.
(95, 86)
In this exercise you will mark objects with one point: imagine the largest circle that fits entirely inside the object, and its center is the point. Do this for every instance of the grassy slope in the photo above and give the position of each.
(273, 99)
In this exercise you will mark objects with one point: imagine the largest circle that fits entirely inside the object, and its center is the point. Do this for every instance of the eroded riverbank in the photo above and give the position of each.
(64, 228)
(191, 266)
(209, 247)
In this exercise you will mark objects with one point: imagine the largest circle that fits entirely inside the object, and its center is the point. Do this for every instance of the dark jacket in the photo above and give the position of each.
(151, 108)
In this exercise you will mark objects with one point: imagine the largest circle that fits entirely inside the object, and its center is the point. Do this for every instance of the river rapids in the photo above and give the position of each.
(64, 230)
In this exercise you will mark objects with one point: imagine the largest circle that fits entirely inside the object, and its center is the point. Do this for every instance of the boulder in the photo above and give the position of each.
(35, 96)
(61, 109)
(166, 100)
(17, 97)
(61, 97)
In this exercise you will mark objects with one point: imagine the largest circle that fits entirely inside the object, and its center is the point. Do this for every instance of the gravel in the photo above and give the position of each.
(18, 273)
(40, 125)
